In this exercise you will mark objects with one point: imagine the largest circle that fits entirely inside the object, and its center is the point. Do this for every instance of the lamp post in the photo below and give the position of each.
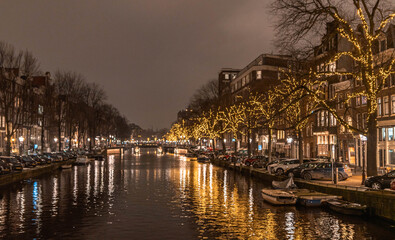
(21, 139)
(55, 139)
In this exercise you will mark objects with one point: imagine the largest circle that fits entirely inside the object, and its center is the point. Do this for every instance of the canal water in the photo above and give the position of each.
(152, 196)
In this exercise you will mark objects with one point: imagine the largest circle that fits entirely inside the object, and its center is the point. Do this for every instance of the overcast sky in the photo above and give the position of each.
(149, 55)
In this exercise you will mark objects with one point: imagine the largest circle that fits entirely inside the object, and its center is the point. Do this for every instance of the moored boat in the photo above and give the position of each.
(347, 208)
(66, 166)
(278, 197)
(203, 159)
(315, 200)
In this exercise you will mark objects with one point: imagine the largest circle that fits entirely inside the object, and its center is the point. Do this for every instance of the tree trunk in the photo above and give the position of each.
(235, 137)
(248, 143)
(372, 146)
(8, 145)
(223, 142)
(269, 144)
(300, 146)
(214, 142)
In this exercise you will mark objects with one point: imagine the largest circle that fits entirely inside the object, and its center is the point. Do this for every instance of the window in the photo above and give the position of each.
(390, 133)
(393, 104)
(349, 121)
(358, 101)
(226, 75)
(332, 67)
(379, 107)
(380, 134)
(322, 118)
(40, 109)
(383, 130)
(387, 82)
(392, 77)
(386, 105)
(258, 74)
(363, 100)
(340, 101)
(359, 120)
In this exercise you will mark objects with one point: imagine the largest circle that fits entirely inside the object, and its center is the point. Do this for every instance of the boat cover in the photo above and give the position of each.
(286, 184)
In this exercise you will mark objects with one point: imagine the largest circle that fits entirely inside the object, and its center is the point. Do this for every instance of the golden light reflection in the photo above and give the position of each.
(229, 208)
(55, 197)
(20, 198)
(75, 186)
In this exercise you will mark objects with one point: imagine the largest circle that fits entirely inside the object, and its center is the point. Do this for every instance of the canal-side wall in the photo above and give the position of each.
(31, 173)
(380, 203)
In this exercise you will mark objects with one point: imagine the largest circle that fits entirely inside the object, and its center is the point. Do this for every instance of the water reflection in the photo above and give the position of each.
(183, 199)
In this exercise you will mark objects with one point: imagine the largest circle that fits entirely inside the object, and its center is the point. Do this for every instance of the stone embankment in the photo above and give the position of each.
(380, 203)
(29, 173)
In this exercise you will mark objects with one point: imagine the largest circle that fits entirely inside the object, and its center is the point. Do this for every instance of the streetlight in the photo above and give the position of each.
(21, 139)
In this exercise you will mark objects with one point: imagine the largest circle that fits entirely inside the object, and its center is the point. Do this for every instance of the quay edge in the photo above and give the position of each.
(380, 203)
(31, 173)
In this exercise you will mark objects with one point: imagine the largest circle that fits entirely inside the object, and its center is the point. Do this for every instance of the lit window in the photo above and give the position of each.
(363, 100)
(390, 134)
(226, 76)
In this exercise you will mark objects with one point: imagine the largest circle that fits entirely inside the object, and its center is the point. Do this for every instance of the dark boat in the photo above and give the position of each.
(203, 159)
(347, 208)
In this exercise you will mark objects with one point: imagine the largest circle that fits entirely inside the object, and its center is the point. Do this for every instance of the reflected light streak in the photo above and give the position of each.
(88, 183)
(55, 197)
(290, 225)
(21, 206)
(37, 206)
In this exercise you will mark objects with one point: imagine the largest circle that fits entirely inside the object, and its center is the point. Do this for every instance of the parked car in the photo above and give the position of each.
(38, 160)
(15, 164)
(282, 166)
(392, 187)
(323, 171)
(251, 160)
(5, 167)
(54, 157)
(380, 182)
(46, 158)
(297, 171)
(26, 161)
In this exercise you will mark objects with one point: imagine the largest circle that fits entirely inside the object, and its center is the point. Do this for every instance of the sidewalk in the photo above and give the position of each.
(354, 181)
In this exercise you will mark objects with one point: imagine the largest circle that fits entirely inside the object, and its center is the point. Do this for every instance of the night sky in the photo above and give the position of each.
(149, 55)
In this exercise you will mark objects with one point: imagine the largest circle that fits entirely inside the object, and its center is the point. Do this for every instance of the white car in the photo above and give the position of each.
(283, 166)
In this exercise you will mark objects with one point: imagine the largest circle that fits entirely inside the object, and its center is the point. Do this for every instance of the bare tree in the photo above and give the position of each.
(14, 88)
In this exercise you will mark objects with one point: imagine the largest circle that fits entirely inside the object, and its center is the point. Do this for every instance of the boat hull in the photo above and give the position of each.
(278, 199)
(344, 208)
